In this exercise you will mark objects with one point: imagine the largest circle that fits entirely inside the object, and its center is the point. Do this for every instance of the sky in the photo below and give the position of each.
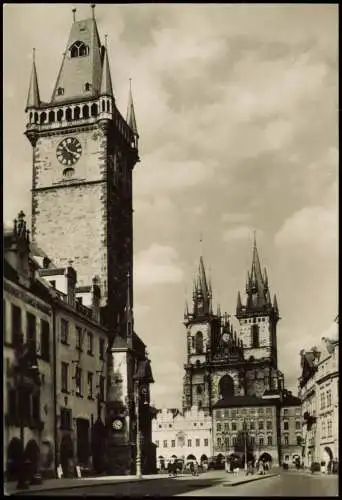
(237, 111)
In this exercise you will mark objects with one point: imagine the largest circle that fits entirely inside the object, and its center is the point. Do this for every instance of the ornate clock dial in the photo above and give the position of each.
(117, 425)
(69, 151)
(225, 337)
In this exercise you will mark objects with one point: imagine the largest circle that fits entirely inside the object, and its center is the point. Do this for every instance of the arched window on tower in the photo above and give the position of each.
(255, 335)
(199, 343)
(226, 386)
(79, 49)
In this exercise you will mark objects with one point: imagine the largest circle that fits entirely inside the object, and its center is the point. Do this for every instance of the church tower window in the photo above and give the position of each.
(79, 49)
(199, 343)
(255, 335)
(226, 387)
(60, 91)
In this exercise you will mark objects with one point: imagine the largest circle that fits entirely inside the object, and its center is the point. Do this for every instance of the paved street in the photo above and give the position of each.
(214, 484)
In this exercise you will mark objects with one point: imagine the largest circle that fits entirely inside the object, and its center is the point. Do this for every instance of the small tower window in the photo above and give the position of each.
(60, 91)
(79, 49)
(255, 335)
(87, 86)
(199, 343)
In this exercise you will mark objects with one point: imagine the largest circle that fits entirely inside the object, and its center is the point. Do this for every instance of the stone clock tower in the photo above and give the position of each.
(84, 153)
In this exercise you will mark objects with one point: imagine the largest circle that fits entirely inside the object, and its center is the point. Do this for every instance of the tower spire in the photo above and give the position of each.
(74, 14)
(106, 79)
(129, 312)
(33, 97)
(130, 111)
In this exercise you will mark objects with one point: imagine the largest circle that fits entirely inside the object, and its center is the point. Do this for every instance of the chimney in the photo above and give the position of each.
(71, 278)
(96, 298)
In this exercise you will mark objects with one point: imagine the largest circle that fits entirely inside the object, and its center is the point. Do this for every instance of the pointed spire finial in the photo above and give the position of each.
(130, 118)
(34, 54)
(106, 38)
(93, 10)
(74, 14)
(254, 238)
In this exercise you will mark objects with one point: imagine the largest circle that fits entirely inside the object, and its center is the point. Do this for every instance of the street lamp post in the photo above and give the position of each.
(245, 441)
(138, 438)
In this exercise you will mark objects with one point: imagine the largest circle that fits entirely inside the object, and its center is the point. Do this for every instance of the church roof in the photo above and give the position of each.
(82, 63)
(241, 401)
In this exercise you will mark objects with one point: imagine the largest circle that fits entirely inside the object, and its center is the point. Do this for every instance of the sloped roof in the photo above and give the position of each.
(76, 71)
(240, 401)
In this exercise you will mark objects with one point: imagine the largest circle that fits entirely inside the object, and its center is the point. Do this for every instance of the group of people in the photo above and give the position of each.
(260, 466)
(173, 468)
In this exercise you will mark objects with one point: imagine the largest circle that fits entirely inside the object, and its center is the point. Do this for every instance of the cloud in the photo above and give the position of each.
(240, 233)
(236, 218)
(157, 265)
(310, 230)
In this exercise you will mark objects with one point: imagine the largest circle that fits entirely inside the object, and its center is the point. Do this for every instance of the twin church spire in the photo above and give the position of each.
(84, 73)
(257, 290)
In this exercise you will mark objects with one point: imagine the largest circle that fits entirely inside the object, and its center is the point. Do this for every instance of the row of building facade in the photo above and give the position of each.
(319, 393)
(56, 366)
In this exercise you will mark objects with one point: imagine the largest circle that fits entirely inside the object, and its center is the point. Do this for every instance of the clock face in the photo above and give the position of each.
(117, 425)
(225, 337)
(69, 151)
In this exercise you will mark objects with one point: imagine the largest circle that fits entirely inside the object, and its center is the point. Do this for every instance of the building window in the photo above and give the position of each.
(157, 443)
(198, 442)
(79, 338)
(329, 428)
(286, 425)
(206, 442)
(226, 426)
(219, 442)
(261, 424)
(64, 376)
(87, 86)
(16, 323)
(269, 425)
(255, 335)
(173, 443)
(328, 398)
(298, 410)
(90, 385)
(286, 440)
(286, 412)
(298, 425)
(234, 441)
(323, 428)
(90, 343)
(252, 425)
(218, 427)
(199, 343)
(252, 440)
(102, 388)
(164, 444)
(60, 91)
(31, 330)
(45, 340)
(299, 440)
(64, 331)
(269, 440)
(102, 349)
(79, 49)
(233, 412)
(189, 443)
(261, 441)
(268, 411)
(260, 411)
(322, 400)
(66, 419)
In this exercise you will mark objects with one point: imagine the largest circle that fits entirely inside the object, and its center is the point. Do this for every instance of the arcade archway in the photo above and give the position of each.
(67, 455)
(14, 456)
(32, 455)
(265, 457)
